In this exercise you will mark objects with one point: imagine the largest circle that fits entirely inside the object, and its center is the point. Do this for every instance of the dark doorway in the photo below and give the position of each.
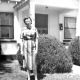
(41, 22)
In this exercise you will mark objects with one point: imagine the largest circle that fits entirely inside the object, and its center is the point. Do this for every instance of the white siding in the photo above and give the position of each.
(53, 28)
(71, 4)
(53, 25)
(72, 13)
(6, 7)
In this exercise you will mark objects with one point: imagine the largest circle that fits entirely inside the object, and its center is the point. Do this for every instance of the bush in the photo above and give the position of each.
(52, 56)
(74, 49)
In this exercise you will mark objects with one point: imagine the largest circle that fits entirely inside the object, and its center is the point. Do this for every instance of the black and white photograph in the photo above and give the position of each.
(39, 39)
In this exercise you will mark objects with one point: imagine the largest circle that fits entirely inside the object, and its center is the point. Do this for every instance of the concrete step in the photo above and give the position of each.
(66, 41)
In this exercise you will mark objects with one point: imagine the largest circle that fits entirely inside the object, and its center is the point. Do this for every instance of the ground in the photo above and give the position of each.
(10, 70)
(74, 75)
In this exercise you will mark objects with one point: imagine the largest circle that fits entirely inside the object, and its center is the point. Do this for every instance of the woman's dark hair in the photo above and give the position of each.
(28, 18)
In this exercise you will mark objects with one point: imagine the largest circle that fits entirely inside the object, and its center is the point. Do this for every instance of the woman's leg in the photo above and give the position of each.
(34, 52)
(34, 65)
(29, 55)
(25, 54)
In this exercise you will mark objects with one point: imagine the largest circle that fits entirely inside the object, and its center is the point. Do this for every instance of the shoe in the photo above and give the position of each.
(21, 68)
(24, 69)
(31, 71)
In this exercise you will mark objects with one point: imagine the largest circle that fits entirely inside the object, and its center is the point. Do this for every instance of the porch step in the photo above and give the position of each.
(66, 41)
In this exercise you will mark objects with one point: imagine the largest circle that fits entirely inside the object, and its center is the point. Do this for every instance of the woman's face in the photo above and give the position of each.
(28, 23)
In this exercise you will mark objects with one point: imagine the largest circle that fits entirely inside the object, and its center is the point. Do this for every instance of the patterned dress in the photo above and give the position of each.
(29, 37)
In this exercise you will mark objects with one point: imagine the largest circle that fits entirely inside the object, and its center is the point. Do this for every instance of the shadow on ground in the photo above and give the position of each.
(4, 65)
(41, 76)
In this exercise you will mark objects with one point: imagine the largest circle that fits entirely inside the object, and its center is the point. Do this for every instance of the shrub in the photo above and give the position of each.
(74, 49)
(52, 56)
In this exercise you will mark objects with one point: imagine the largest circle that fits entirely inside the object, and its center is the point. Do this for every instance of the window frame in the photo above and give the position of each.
(41, 29)
(68, 27)
(9, 25)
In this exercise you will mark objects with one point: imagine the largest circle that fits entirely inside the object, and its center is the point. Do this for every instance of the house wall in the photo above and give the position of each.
(78, 21)
(9, 8)
(18, 17)
(7, 46)
(19, 23)
(71, 4)
(58, 10)
(53, 27)
(6, 8)
(53, 20)
(25, 13)
(63, 14)
(56, 16)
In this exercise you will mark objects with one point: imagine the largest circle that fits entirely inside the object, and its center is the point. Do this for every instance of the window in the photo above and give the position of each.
(41, 22)
(6, 25)
(69, 27)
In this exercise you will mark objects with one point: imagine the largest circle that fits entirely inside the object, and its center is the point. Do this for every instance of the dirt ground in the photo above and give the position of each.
(10, 70)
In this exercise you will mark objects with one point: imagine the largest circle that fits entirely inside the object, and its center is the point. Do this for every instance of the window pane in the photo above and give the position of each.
(70, 22)
(4, 32)
(7, 32)
(6, 25)
(69, 33)
(6, 19)
(42, 31)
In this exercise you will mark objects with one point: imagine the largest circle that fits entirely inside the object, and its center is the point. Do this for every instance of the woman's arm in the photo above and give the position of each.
(36, 41)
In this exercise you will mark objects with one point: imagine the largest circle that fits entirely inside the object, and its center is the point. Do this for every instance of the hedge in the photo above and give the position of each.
(74, 49)
(52, 56)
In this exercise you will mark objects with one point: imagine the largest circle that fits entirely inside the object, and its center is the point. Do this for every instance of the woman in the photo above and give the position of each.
(29, 37)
